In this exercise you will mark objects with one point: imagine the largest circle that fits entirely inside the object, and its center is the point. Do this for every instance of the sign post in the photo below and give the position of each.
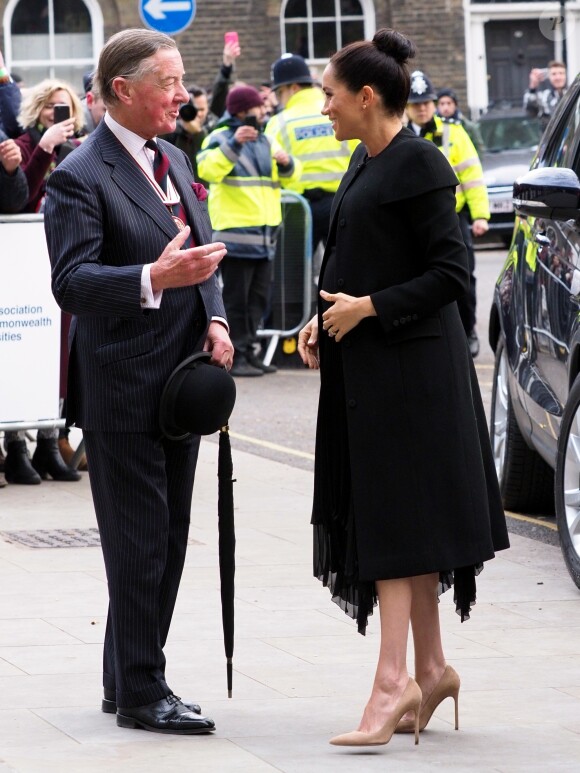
(168, 16)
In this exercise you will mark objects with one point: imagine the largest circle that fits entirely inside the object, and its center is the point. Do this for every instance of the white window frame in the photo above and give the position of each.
(368, 17)
(97, 25)
(475, 17)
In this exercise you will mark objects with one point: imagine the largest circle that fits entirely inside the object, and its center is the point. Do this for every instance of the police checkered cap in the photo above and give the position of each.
(290, 68)
(421, 88)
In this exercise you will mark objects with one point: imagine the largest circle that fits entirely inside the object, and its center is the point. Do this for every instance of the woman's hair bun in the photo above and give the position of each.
(393, 43)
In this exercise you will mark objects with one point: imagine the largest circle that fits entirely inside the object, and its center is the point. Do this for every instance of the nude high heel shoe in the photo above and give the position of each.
(446, 687)
(409, 701)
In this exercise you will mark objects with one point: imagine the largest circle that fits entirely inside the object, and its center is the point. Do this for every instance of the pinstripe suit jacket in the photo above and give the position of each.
(103, 221)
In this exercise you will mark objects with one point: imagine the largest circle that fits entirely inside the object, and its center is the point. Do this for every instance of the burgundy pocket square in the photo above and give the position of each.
(200, 191)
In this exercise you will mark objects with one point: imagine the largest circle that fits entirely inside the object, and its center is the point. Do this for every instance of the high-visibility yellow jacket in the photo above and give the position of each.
(244, 191)
(461, 154)
(307, 135)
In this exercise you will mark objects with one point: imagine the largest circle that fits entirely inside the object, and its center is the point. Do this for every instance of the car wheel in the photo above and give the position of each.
(526, 482)
(568, 483)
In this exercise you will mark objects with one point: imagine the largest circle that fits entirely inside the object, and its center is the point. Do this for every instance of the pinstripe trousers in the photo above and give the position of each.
(142, 489)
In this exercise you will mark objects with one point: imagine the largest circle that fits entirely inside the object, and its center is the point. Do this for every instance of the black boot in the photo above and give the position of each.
(48, 461)
(256, 362)
(17, 466)
(242, 367)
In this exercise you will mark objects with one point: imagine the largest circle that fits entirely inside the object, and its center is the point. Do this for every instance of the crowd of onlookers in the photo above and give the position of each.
(241, 143)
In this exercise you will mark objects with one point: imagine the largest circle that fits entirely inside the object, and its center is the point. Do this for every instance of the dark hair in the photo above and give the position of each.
(380, 63)
(196, 91)
(553, 63)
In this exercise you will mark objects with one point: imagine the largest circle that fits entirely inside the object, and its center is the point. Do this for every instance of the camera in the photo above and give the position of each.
(188, 111)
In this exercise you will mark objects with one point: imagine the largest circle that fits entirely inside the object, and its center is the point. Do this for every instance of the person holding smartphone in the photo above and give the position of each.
(541, 98)
(51, 114)
(245, 171)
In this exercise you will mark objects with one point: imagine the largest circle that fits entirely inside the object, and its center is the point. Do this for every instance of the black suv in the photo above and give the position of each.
(535, 333)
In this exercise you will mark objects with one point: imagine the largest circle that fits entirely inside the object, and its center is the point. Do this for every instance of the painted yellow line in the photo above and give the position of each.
(272, 446)
(483, 367)
(529, 519)
(310, 457)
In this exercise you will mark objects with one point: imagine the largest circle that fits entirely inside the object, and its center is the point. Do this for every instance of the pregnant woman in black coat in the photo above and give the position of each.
(406, 501)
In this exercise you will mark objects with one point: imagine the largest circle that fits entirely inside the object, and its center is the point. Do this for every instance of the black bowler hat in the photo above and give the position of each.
(197, 399)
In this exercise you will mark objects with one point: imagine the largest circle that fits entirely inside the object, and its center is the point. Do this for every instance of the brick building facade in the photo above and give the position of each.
(436, 27)
(467, 44)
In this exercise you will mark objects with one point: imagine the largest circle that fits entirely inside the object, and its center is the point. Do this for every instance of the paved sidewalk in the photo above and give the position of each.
(302, 673)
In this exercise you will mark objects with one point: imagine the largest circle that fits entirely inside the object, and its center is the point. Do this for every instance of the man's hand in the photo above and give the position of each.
(537, 76)
(345, 313)
(219, 345)
(10, 156)
(181, 268)
(308, 344)
(479, 227)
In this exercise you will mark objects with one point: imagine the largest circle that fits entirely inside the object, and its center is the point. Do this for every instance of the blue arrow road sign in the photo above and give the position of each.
(169, 16)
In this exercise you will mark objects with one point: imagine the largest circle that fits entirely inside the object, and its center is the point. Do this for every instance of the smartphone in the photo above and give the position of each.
(231, 37)
(251, 120)
(61, 113)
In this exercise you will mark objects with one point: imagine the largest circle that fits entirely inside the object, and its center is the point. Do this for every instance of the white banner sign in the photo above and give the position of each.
(29, 325)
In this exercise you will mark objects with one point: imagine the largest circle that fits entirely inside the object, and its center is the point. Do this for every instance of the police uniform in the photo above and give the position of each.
(307, 136)
(471, 194)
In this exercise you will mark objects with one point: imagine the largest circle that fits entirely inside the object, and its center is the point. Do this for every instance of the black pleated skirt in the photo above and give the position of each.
(335, 554)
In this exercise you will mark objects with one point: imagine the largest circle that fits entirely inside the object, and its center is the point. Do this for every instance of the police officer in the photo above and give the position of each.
(472, 203)
(449, 112)
(307, 135)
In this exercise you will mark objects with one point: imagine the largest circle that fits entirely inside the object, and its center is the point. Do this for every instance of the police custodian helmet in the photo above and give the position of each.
(290, 68)
(421, 89)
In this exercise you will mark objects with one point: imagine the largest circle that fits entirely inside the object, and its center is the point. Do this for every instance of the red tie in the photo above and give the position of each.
(161, 172)
(160, 165)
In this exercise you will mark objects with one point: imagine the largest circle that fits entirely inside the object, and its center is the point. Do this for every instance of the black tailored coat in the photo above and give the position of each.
(121, 355)
(424, 489)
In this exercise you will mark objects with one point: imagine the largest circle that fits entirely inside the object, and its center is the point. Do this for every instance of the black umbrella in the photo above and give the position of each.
(227, 546)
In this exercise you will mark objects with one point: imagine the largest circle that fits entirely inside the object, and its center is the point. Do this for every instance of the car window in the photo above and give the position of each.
(509, 133)
(559, 149)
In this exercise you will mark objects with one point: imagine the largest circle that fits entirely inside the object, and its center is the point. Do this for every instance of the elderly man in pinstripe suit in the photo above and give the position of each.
(144, 296)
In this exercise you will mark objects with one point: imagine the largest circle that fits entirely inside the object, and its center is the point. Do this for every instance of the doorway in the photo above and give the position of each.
(512, 49)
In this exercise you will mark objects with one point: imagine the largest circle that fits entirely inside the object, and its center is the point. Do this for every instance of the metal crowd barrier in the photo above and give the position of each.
(291, 300)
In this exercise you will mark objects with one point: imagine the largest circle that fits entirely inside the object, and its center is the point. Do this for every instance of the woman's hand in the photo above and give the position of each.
(345, 313)
(308, 344)
(57, 134)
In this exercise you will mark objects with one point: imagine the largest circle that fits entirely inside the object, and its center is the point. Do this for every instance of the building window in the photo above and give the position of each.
(315, 29)
(53, 38)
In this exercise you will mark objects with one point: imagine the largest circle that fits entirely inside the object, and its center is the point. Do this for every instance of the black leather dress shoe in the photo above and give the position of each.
(109, 703)
(168, 715)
